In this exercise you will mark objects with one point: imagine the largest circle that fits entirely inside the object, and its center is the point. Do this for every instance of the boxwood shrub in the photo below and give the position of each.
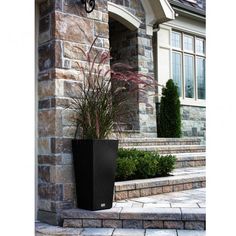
(136, 164)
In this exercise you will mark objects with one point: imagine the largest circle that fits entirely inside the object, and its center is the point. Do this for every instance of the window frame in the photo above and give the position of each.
(184, 100)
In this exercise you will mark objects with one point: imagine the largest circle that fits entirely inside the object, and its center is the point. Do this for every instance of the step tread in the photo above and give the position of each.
(180, 176)
(138, 213)
(124, 140)
(188, 157)
(45, 229)
(190, 154)
(167, 146)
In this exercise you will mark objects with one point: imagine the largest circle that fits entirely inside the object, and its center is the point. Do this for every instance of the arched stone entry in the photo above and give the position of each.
(124, 49)
(130, 44)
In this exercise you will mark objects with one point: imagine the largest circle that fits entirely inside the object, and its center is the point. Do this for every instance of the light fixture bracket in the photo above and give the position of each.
(89, 5)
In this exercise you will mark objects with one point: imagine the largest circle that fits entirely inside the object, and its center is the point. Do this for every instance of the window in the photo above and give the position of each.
(188, 65)
(176, 40)
(189, 76)
(176, 68)
(188, 43)
(200, 47)
(201, 77)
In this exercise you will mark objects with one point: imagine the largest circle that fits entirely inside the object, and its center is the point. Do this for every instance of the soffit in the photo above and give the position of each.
(158, 11)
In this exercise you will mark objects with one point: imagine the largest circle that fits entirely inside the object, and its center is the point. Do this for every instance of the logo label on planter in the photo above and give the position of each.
(103, 204)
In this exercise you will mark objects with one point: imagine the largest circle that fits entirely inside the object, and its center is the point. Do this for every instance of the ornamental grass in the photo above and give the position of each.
(103, 93)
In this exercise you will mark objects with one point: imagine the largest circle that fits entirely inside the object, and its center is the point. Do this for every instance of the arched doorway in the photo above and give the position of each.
(123, 38)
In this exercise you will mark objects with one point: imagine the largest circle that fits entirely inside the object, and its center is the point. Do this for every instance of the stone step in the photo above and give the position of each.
(45, 230)
(190, 159)
(158, 141)
(181, 179)
(170, 149)
(138, 218)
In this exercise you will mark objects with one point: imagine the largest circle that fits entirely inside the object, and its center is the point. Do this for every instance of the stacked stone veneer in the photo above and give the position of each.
(135, 48)
(194, 122)
(63, 27)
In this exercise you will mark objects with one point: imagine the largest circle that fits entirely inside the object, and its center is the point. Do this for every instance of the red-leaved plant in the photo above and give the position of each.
(102, 96)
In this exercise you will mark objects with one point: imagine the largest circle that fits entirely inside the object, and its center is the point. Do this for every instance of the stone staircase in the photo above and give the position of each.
(189, 174)
(189, 151)
(181, 179)
(136, 217)
(164, 145)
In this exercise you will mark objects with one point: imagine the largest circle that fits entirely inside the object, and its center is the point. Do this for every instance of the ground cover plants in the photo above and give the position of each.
(136, 164)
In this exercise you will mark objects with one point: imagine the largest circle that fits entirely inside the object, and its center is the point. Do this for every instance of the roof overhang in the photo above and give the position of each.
(189, 14)
(189, 9)
(157, 12)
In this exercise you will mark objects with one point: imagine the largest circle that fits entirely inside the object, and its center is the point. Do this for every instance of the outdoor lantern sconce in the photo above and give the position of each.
(89, 5)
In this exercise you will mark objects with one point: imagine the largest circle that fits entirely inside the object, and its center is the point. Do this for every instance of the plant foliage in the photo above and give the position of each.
(100, 104)
(170, 117)
(126, 168)
(136, 164)
(165, 165)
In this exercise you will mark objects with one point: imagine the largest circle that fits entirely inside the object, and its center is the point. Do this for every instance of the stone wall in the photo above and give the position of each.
(63, 27)
(194, 122)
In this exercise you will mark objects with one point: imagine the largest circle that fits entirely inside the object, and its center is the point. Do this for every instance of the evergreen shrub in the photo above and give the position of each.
(170, 117)
(136, 164)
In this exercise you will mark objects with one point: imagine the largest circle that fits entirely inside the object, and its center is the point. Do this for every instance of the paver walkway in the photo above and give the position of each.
(46, 230)
(188, 198)
(183, 199)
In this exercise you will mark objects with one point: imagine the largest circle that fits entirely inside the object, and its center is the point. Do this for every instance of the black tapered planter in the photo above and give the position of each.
(94, 165)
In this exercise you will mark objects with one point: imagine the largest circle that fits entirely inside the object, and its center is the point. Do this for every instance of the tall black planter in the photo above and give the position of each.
(94, 165)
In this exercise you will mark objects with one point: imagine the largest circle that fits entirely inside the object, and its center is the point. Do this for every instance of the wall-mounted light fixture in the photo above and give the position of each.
(89, 5)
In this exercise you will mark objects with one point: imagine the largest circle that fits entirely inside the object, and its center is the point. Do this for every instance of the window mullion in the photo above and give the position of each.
(195, 77)
(183, 65)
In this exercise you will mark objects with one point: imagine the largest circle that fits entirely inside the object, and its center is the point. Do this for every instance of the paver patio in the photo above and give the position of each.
(187, 201)
(188, 198)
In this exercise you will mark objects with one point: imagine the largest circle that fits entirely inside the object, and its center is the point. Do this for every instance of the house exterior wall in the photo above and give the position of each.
(192, 110)
(63, 27)
(193, 121)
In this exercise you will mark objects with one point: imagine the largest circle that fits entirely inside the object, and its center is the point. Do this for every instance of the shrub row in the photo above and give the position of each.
(136, 164)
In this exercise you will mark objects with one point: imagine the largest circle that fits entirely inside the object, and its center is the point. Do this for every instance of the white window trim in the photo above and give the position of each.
(183, 100)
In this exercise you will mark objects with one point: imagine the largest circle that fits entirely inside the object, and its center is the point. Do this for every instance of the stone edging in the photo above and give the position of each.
(45, 230)
(139, 218)
(148, 187)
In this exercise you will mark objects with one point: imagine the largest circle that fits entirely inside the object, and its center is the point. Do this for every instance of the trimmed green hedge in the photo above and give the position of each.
(136, 164)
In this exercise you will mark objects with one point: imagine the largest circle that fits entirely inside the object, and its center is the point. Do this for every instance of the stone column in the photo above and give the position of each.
(63, 27)
(147, 106)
